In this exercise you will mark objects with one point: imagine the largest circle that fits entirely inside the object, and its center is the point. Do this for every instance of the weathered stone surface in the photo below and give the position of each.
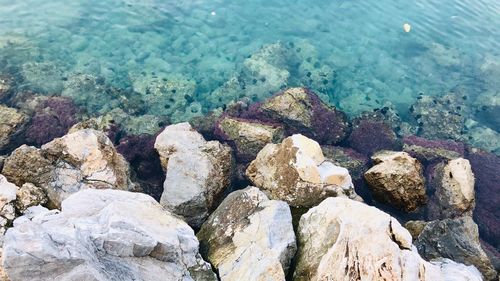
(369, 136)
(428, 151)
(29, 195)
(342, 239)
(103, 235)
(453, 186)
(302, 111)
(397, 180)
(11, 123)
(247, 137)
(197, 172)
(7, 207)
(415, 228)
(249, 237)
(457, 239)
(296, 171)
(82, 159)
(487, 213)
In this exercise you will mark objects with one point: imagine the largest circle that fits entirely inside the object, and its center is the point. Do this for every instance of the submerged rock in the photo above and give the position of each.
(427, 151)
(247, 137)
(197, 172)
(5, 85)
(106, 235)
(355, 162)
(12, 123)
(453, 189)
(296, 171)
(397, 179)
(342, 239)
(302, 111)
(79, 160)
(457, 239)
(249, 237)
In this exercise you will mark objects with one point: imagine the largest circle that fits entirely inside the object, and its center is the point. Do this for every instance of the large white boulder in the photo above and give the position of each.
(296, 171)
(249, 237)
(197, 172)
(103, 235)
(341, 239)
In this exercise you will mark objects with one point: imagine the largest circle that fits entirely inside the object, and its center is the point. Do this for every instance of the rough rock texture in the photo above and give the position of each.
(103, 235)
(7, 204)
(453, 189)
(197, 172)
(355, 162)
(369, 136)
(415, 228)
(5, 85)
(428, 151)
(249, 237)
(397, 180)
(457, 239)
(12, 122)
(296, 171)
(487, 213)
(29, 195)
(302, 111)
(342, 239)
(247, 137)
(82, 159)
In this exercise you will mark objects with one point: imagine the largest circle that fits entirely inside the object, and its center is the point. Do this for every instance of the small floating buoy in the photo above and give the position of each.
(213, 13)
(406, 27)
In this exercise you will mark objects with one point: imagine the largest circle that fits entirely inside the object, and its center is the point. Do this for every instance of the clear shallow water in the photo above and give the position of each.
(175, 58)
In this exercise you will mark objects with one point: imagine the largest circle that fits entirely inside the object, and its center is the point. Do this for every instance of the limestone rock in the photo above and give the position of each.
(453, 184)
(457, 239)
(29, 195)
(7, 208)
(341, 239)
(78, 160)
(197, 172)
(295, 171)
(355, 162)
(249, 237)
(302, 111)
(248, 137)
(397, 180)
(103, 235)
(11, 123)
(428, 151)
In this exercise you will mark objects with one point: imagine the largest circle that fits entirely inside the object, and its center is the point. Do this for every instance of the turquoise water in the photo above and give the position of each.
(183, 58)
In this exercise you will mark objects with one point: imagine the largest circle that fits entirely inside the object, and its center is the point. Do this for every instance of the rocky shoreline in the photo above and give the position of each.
(284, 189)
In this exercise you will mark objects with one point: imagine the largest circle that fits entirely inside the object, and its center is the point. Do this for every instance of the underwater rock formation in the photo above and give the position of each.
(452, 186)
(296, 171)
(247, 137)
(369, 136)
(78, 160)
(12, 124)
(341, 239)
(107, 235)
(52, 118)
(302, 111)
(355, 162)
(457, 239)
(5, 86)
(428, 151)
(249, 237)
(197, 172)
(397, 179)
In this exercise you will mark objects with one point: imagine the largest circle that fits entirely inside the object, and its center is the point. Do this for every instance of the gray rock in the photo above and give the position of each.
(341, 239)
(78, 160)
(197, 172)
(456, 239)
(7, 201)
(103, 235)
(249, 237)
(29, 195)
(397, 179)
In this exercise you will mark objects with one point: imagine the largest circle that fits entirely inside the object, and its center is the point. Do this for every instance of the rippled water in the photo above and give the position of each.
(354, 52)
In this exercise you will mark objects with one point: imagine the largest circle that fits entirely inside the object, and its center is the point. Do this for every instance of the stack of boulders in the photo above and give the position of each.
(71, 209)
